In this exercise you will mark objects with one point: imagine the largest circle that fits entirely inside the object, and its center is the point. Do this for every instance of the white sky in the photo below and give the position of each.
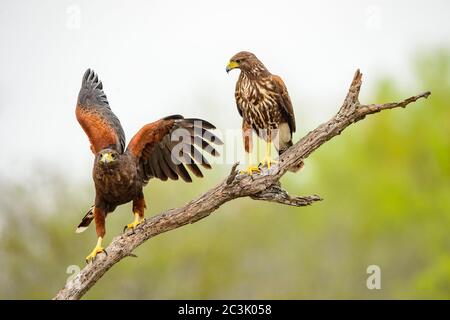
(157, 58)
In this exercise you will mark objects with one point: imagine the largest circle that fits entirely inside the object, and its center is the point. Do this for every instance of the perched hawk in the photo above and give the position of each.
(264, 105)
(120, 174)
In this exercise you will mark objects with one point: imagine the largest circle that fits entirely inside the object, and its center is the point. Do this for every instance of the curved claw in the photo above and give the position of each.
(98, 249)
(126, 228)
(131, 226)
(91, 257)
(250, 170)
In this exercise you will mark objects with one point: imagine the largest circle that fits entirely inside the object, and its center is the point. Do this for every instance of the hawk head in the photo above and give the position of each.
(107, 157)
(248, 63)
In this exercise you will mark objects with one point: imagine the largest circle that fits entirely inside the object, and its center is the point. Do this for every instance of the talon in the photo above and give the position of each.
(250, 170)
(98, 249)
(137, 221)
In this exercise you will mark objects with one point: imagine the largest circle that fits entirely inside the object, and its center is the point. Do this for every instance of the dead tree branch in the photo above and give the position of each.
(264, 186)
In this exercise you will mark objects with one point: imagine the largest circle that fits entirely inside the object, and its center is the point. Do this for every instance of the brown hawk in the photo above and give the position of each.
(264, 105)
(120, 174)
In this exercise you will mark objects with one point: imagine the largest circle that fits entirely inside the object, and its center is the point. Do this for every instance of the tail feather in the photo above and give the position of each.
(86, 221)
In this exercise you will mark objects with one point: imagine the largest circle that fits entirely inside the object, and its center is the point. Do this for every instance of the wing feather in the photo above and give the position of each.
(95, 116)
(156, 149)
(285, 101)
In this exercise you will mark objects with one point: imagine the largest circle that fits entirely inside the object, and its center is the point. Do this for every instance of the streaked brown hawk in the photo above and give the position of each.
(264, 105)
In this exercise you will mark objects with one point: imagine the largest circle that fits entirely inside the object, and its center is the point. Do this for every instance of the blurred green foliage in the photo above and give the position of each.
(386, 185)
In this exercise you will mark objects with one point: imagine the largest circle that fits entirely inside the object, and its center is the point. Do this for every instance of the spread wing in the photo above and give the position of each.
(164, 147)
(285, 101)
(95, 116)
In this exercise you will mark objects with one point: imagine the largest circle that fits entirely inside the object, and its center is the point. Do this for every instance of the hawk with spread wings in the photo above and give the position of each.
(121, 173)
(265, 106)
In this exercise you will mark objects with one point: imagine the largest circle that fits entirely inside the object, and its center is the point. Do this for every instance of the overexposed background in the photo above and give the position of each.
(157, 58)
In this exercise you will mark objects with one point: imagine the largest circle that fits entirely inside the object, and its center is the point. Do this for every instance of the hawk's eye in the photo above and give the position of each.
(238, 61)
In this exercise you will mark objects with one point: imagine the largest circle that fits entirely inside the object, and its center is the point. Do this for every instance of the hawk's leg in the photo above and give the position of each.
(99, 218)
(138, 211)
(248, 145)
(268, 156)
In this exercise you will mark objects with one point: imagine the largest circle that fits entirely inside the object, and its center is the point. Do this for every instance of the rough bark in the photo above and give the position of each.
(264, 186)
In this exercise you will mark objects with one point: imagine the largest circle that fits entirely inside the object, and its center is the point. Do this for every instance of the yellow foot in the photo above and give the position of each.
(137, 221)
(269, 161)
(250, 170)
(98, 249)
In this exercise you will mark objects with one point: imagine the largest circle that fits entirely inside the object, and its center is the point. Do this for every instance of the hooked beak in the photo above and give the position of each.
(106, 158)
(232, 65)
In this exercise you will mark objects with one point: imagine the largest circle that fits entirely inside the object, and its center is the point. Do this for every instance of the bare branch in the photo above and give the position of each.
(276, 194)
(264, 186)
